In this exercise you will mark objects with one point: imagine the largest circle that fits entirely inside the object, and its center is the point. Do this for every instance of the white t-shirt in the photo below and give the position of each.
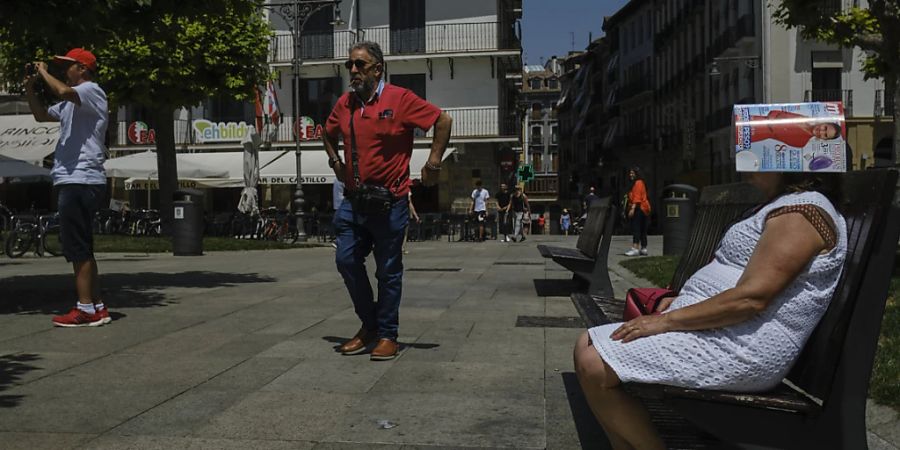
(80, 151)
(480, 196)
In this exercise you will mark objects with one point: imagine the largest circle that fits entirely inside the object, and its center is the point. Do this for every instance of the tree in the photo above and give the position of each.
(874, 28)
(160, 54)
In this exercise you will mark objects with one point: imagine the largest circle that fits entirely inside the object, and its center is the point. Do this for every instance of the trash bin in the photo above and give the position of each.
(679, 208)
(187, 226)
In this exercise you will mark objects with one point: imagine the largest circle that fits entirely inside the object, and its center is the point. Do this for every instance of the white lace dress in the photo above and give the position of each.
(754, 355)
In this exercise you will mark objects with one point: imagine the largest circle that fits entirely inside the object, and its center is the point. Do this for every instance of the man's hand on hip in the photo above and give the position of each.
(430, 176)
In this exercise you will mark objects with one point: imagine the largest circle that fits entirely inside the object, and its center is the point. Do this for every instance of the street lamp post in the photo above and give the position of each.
(295, 14)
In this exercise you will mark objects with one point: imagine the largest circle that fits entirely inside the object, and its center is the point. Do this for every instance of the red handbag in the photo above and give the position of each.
(644, 301)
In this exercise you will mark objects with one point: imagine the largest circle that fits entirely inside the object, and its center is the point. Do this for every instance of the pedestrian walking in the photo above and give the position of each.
(77, 173)
(503, 216)
(376, 121)
(519, 203)
(638, 213)
(414, 216)
(565, 221)
(479, 207)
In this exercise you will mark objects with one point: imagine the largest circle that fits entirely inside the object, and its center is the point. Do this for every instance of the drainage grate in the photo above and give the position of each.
(434, 269)
(549, 322)
(518, 263)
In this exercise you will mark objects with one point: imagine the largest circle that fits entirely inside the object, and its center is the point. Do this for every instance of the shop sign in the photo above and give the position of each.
(307, 129)
(293, 180)
(136, 184)
(140, 133)
(207, 131)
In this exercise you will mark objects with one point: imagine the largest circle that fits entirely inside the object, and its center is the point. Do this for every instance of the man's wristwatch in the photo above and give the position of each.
(332, 161)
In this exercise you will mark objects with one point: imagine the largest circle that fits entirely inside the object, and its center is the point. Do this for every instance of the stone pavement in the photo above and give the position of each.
(237, 350)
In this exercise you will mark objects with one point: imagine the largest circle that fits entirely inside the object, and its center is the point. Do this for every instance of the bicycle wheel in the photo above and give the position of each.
(18, 242)
(50, 241)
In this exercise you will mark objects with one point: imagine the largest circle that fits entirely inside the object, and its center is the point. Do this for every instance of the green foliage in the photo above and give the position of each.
(155, 53)
(655, 269)
(849, 27)
(885, 382)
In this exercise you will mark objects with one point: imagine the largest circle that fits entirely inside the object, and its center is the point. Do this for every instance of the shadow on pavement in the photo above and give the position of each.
(555, 287)
(11, 369)
(590, 434)
(338, 341)
(53, 294)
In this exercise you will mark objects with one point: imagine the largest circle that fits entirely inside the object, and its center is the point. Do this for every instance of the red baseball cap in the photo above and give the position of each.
(80, 56)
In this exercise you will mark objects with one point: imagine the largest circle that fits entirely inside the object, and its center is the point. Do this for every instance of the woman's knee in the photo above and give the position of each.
(590, 366)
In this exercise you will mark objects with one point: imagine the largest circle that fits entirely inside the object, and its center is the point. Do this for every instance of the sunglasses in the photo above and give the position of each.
(359, 63)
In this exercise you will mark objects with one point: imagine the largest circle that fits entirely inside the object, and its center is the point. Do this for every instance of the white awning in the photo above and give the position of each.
(15, 170)
(275, 167)
(143, 165)
(23, 138)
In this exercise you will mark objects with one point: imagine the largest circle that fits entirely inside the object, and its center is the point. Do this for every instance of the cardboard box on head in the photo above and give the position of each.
(790, 137)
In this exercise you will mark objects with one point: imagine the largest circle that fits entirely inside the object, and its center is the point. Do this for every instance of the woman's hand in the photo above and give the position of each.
(665, 303)
(631, 213)
(640, 327)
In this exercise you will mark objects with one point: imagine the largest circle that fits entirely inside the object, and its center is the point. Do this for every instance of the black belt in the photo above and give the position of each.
(351, 195)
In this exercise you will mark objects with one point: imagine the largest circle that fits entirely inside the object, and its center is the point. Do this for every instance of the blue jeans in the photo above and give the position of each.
(357, 234)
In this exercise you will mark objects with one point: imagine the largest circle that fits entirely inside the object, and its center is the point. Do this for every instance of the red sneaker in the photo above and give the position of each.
(104, 315)
(77, 318)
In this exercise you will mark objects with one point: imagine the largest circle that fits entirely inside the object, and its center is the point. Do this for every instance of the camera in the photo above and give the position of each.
(30, 69)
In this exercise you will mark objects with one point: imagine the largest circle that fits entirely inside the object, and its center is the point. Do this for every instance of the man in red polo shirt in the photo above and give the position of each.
(378, 119)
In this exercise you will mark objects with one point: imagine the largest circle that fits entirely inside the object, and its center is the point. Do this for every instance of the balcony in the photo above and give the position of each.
(431, 39)
(832, 95)
(543, 185)
(467, 123)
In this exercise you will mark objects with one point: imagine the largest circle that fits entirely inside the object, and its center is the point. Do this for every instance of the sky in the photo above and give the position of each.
(548, 25)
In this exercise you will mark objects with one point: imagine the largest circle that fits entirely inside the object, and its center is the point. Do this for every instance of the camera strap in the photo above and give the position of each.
(354, 157)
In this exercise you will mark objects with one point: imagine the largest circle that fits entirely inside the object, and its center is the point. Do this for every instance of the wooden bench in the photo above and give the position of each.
(587, 260)
(822, 401)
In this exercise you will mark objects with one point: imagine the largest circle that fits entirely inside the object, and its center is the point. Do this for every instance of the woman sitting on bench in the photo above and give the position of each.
(739, 323)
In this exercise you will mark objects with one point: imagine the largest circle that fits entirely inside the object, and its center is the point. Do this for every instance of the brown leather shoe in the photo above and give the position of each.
(385, 350)
(359, 342)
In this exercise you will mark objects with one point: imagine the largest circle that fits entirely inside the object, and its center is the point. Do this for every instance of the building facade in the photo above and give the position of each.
(539, 98)
(668, 73)
(456, 55)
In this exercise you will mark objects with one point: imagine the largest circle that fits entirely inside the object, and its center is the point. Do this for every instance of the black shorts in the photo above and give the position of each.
(77, 205)
(480, 215)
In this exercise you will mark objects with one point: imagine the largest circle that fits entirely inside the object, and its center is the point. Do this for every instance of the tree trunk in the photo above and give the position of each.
(166, 164)
(895, 81)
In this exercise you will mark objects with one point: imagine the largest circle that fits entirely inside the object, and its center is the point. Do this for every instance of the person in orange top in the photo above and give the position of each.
(638, 212)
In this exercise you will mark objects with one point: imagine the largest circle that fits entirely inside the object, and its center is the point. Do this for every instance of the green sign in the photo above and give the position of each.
(526, 173)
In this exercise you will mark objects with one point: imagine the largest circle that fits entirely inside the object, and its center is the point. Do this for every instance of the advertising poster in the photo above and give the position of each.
(790, 137)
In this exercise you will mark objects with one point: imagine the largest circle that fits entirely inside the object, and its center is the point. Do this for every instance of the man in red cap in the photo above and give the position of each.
(78, 173)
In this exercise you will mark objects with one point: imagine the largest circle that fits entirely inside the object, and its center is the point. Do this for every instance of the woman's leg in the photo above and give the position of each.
(625, 420)
(645, 223)
(636, 229)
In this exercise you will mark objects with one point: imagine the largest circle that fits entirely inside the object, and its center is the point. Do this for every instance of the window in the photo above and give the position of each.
(536, 162)
(407, 24)
(226, 109)
(414, 82)
(537, 136)
(535, 83)
(554, 134)
(318, 96)
(553, 83)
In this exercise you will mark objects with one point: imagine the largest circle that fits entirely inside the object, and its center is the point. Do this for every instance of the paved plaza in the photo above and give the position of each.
(236, 350)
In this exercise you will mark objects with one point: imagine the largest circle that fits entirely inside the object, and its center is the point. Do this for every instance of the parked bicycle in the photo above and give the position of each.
(42, 234)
